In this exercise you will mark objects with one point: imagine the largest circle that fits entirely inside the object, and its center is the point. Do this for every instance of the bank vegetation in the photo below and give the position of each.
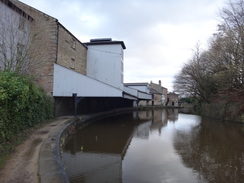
(215, 76)
(22, 106)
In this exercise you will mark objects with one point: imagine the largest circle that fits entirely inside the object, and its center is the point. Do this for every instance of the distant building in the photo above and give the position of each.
(157, 97)
(142, 92)
(159, 93)
(172, 99)
(144, 87)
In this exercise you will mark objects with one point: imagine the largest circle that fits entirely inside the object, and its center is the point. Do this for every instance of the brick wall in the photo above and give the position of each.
(51, 43)
(172, 99)
(43, 46)
(162, 90)
(72, 54)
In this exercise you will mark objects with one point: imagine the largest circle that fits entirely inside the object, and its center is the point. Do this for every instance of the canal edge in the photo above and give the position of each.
(51, 167)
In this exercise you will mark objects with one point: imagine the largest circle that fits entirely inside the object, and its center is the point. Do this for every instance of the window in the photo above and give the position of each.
(73, 44)
(72, 63)
(122, 78)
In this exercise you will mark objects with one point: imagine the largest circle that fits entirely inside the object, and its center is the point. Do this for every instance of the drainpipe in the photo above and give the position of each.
(152, 99)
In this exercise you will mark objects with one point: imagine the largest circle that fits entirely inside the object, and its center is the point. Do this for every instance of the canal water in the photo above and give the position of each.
(156, 146)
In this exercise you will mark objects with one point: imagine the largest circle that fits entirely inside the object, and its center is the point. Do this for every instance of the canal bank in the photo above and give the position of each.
(37, 150)
(51, 168)
(38, 158)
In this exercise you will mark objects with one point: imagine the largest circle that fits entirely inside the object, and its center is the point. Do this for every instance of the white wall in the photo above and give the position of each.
(143, 95)
(105, 63)
(67, 82)
(140, 88)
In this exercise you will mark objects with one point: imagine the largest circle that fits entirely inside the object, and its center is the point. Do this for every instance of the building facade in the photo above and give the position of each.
(106, 61)
(142, 93)
(172, 100)
(160, 93)
(65, 67)
(51, 44)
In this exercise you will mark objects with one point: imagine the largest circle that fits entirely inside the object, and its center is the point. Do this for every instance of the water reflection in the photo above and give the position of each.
(214, 150)
(153, 146)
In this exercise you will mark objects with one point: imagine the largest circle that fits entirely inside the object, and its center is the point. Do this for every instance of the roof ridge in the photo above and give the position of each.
(17, 2)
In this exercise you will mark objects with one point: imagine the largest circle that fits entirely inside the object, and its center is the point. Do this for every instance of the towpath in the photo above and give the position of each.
(23, 164)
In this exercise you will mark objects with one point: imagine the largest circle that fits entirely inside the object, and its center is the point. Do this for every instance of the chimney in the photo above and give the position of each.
(159, 82)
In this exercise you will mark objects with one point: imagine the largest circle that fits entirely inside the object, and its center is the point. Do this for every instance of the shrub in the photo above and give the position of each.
(22, 104)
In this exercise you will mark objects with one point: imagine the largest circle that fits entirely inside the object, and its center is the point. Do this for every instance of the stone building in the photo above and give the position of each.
(159, 93)
(157, 97)
(172, 99)
(51, 44)
(89, 75)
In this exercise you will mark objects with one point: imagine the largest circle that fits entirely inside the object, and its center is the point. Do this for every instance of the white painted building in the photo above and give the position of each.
(144, 87)
(67, 82)
(99, 78)
(105, 61)
(104, 74)
(142, 90)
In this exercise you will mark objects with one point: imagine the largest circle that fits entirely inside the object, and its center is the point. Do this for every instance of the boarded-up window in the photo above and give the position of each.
(72, 63)
(73, 44)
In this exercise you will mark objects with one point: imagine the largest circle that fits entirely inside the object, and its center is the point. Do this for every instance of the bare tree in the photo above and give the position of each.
(219, 69)
(196, 78)
(21, 45)
(231, 37)
(14, 38)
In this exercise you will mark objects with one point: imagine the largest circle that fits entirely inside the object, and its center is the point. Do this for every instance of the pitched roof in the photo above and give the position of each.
(152, 90)
(172, 93)
(19, 3)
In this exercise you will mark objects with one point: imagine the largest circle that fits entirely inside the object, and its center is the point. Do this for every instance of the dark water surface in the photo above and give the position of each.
(156, 147)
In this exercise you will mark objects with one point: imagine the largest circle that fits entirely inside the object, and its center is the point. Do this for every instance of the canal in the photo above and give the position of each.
(156, 146)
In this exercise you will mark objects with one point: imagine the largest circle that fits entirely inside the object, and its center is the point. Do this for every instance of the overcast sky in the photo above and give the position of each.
(159, 34)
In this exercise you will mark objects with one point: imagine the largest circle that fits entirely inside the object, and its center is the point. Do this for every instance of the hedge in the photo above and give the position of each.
(22, 104)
